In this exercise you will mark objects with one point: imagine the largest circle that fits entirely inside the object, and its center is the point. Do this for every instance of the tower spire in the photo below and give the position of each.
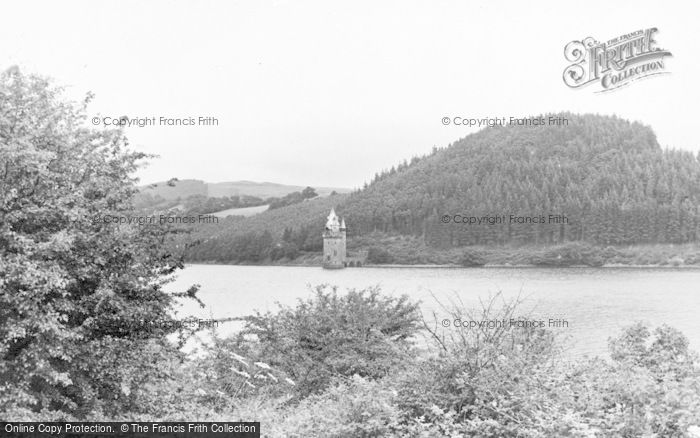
(334, 249)
(332, 223)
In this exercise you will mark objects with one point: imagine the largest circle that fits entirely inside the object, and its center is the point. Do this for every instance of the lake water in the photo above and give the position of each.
(596, 303)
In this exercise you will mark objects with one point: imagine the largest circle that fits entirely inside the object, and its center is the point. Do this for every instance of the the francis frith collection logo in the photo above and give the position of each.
(616, 62)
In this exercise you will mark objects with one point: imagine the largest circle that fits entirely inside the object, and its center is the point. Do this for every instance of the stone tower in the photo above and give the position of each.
(334, 242)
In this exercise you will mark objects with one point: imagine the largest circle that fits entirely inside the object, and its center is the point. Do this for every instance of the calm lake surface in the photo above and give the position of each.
(596, 303)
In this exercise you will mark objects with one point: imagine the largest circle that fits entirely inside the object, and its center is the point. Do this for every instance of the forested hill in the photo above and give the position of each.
(608, 176)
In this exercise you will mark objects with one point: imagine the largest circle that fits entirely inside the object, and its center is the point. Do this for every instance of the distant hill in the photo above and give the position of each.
(188, 187)
(244, 198)
(608, 176)
(263, 189)
(176, 189)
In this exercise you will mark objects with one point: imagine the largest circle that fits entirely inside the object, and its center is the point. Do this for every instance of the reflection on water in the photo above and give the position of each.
(596, 303)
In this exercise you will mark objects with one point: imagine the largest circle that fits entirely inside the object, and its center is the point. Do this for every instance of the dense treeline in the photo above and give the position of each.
(292, 198)
(608, 176)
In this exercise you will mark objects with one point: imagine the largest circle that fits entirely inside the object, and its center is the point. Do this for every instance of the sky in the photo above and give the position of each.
(327, 93)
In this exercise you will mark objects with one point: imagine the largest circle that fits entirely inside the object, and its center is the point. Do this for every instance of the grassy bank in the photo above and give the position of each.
(403, 250)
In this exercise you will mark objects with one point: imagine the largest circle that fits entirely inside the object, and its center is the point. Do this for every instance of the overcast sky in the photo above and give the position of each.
(327, 93)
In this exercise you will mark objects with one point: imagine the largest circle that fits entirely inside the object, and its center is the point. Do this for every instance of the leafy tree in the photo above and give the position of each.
(73, 287)
(308, 193)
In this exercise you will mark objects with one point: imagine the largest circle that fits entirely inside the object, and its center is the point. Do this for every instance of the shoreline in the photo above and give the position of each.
(449, 266)
(402, 254)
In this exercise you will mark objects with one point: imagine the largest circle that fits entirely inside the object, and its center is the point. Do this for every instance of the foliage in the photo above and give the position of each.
(378, 255)
(494, 383)
(73, 288)
(292, 198)
(356, 407)
(497, 382)
(610, 178)
(360, 332)
(484, 382)
(472, 258)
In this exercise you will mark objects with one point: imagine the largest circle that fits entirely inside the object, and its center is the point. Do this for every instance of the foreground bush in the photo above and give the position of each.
(358, 333)
(485, 383)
